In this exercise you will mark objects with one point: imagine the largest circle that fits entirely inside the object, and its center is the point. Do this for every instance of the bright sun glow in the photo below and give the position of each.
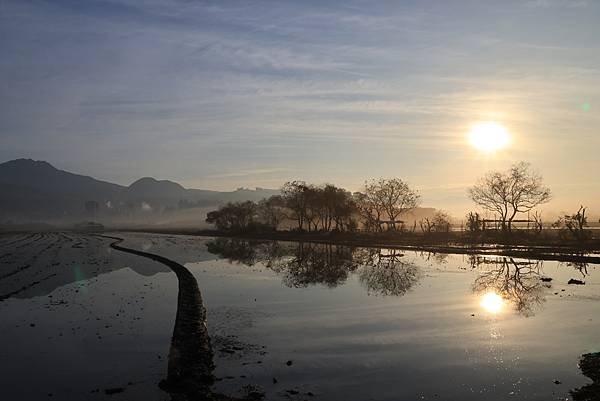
(492, 302)
(488, 136)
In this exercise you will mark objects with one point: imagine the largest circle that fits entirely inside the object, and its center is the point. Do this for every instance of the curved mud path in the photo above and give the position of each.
(190, 363)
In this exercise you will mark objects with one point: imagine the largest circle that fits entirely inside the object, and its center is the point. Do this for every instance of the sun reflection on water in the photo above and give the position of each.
(492, 302)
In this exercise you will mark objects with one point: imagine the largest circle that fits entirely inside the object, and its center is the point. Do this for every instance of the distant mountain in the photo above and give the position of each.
(43, 177)
(150, 188)
(34, 190)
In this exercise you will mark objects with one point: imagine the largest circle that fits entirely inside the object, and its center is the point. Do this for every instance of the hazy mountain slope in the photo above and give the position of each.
(17, 201)
(34, 190)
(149, 187)
(43, 177)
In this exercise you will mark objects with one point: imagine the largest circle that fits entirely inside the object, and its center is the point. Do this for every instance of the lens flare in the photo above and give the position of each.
(488, 136)
(492, 302)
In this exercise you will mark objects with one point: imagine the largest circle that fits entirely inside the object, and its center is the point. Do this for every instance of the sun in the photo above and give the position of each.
(488, 136)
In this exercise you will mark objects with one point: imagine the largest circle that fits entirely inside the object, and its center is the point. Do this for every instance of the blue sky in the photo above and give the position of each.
(253, 93)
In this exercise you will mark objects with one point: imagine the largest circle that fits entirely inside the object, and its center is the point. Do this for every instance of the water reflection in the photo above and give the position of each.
(492, 302)
(380, 272)
(44, 262)
(387, 273)
(436, 257)
(517, 282)
(312, 264)
(235, 249)
(581, 267)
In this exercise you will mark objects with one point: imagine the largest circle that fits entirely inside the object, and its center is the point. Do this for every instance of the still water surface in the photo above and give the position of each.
(301, 321)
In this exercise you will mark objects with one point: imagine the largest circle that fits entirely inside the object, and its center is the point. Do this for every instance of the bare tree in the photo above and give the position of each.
(474, 222)
(391, 197)
(574, 224)
(517, 190)
(440, 222)
(538, 223)
(427, 225)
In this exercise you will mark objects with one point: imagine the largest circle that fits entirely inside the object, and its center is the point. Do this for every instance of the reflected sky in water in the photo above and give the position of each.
(416, 325)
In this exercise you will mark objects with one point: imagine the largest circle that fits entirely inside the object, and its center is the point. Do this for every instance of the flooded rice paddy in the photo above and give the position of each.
(79, 320)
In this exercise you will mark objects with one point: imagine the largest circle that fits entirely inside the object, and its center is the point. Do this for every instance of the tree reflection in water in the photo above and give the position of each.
(581, 267)
(386, 273)
(236, 250)
(312, 264)
(306, 264)
(300, 264)
(518, 282)
(436, 257)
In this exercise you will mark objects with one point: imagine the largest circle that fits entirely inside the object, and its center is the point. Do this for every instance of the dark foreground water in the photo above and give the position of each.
(299, 321)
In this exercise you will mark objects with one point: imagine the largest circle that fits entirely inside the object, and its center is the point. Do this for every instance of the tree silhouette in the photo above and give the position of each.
(509, 193)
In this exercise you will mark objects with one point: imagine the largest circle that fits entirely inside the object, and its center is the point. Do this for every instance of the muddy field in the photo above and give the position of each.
(74, 316)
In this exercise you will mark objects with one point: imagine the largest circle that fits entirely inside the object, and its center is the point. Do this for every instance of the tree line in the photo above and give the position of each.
(382, 204)
(308, 207)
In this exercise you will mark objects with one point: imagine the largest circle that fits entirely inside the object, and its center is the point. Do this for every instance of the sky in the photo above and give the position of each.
(223, 94)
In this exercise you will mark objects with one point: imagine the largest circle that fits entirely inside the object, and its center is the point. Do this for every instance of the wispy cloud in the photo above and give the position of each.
(259, 172)
(557, 3)
(325, 91)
